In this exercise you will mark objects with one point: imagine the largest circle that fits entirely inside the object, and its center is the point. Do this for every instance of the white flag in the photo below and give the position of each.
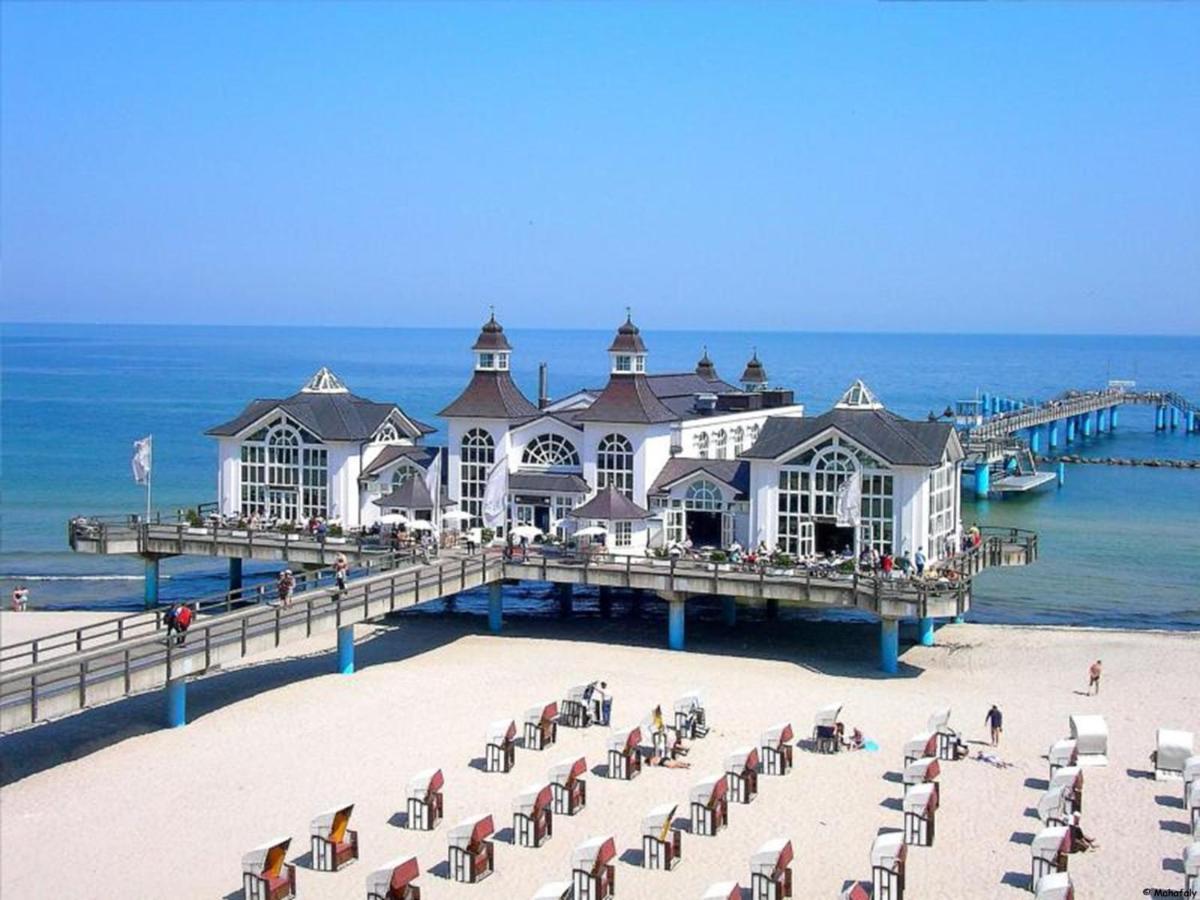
(849, 501)
(142, 452)
(433, 479)
(493, 493)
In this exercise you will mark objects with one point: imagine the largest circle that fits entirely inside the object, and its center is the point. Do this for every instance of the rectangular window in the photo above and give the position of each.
(624, 364)
(622, 534)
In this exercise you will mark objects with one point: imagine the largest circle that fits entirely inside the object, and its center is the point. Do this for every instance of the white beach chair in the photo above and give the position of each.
(1070, 779)
(265, 873)
(394, 880)
(1172, 753)
(921, 771)
(533, 820)
(575, 712)
(1191, 867)
(554, 890)
(661, 844)
(920, 746)
(1193, 805)
(947, 737)
(334, 845)
(568, 785)
(1062, 753)
(624, 757)
(1053, 808)
(1191, 772)
(1055, 886)
(723, 890)
(592, 868)
(691, 721)
(920, 814)
(741, 773)
(501, 742)
(824, 733)
(425, 801)
(540, 728)
(1091, 737)
(889, 853)
(771, 870)
(710, 809)
(775, 746)
(1048, 853)
(472, 856)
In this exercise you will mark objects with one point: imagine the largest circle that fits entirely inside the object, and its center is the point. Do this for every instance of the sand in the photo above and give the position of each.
(141, 811)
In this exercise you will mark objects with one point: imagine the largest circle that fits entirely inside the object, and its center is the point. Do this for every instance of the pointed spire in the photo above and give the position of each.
(324, 382)
(705, 368)
(628, 339)
(754, 377)
(491, 336)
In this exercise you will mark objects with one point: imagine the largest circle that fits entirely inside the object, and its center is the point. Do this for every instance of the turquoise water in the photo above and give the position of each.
(1120, 546)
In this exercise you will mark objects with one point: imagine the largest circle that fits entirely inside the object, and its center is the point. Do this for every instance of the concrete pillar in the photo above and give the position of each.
(983, 404)
(1112, 418)
(495, 607)
(1196, 422)
(345, 650)
(925, 630)
(1160, 418)
(150, 584)
(1052, 436)
(995, 404)
(889, 645)
(1061, 472)
(176, 691)
(566, 599)
(983, 480)
(235, 573)
(729, 611)
(1087, 424)
(1071, 425)
(676, 616)
(1174, 417)
(605, 602)
(1035, 439)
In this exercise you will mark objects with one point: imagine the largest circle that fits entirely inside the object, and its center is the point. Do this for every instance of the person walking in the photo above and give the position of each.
(995, 722)
(170, 620)
(183, 618)
(920, 561)
(284, 586)
(1094, 672)
(340, 569)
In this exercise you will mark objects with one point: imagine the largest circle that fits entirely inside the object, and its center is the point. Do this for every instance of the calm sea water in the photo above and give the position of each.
(1120, 546)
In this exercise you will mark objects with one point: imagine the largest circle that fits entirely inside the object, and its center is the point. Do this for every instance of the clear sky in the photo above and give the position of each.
(907, 166)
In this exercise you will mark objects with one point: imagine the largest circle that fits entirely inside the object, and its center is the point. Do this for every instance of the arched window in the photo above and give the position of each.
(283, 457)
(700, 441)
(550, 451)
(476, 457)
(614, 464)
(284, 473)
(387, 433)
(739, 440)
(401, 475)
(720, 444)
(752, 434)
(830, 470)
(704, 495)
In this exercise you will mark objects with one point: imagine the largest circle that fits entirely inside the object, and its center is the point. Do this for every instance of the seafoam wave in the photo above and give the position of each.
(19, 577)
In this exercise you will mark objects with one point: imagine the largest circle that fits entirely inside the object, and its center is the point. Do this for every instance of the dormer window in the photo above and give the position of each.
(623, 363)
(639, 363)
(502, 361)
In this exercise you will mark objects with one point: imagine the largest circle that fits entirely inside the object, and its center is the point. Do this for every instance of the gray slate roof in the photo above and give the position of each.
(422, 456)
(412, 494)
(608, 505)
(329, 416)
(733, 472)
(628, 399)
(899, 441)
(491, 395)
(538, 482)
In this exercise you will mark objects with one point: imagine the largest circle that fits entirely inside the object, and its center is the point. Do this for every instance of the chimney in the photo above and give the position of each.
(543, 394)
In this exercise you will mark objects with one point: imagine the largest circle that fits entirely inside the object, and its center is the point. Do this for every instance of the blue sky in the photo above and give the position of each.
(910, 167)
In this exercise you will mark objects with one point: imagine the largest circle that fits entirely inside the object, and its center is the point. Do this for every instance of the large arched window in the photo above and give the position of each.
(752, 434)
(387, 433)
(739, 440)
(284, 473)
(720, 444)
(550, 451)
(477, 454)
(403, 472)
(830, 470)
(705, 496)
(700, 442)
(614, 464)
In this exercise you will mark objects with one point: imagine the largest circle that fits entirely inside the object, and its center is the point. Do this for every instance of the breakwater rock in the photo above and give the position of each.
(1122, 461)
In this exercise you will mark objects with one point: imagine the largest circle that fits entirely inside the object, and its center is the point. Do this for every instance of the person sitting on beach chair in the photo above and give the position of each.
(1080, 842)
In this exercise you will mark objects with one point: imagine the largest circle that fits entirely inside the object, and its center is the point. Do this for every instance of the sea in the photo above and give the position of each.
(1120, 546)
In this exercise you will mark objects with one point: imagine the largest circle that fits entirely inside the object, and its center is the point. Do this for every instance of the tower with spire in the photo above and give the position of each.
(754, 376)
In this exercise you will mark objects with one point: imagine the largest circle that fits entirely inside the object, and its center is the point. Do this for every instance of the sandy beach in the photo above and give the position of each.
(140, 810)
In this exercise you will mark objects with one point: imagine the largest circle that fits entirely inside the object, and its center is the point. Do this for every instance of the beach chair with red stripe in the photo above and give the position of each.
(920, 814)
(1070, 779)
(824, 734)
(593, 873)
(723, 890)
(920, 746)
(1048, 853)
(472, 855)
(624, 756)
(710, 806)
(1061, 754)
(554, 890)
(1191, 867)
(776, 748)
(1052, 807)
(741, 773)
(394, 881)
(266, 875)
(568, 785)
(922, 771)
(662, 845)
(889, 854)
(500, 750)
(771, 870)
(533, 819)
(425, 801)
(947, 738)
(541, 729)
(691, 720)
(334, 845)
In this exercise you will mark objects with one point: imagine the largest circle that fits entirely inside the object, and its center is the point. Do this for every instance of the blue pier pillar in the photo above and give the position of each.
(1087, 424)
(1101, 421)
(1061, 471)
(1112, 418)
(983, 480)
(1196, 422)
(1070, 430)
(995, 404)
(983, 404)
(925, 630)
(495, 607)
(176, 702)
(150, 584)
(1174, 417)
(1035, 439)
(1160, 418)
(235, 573)
(676, 617)
(889, 645)
(959, 619)
(1052, 437)
(729, 611)
(566, 600)
(345, 650)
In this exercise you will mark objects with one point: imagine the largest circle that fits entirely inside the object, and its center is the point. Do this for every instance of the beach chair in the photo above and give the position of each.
(593, 874)
(1091, 737)
(1053, 807)
(661, 844)
(776, 747)
(1055, 886)
(824, 735)
(533, 819)
(741, 773)
(425, 801)
(666, 743)
(771, 870)
(472, 855)
(501, 743)
(919, 746)
(394, 881)
(920, 814)
(1191, 772)
(723, 890)
(1193, 805)
(575, 712)
(624, 758)
(710, 808)
(690, 718)
(1172, 753)
(1191, 867)
(889, 854)
(554, 890)
(540, 728)
(922, 771)
(947, 738)
(265, 875)
(1062, 753)
(1049, 853)
(1070, 779)
(856, 890)
(568, 786)
(333, 843)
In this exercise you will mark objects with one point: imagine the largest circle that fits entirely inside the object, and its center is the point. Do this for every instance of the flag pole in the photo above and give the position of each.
(149, 478)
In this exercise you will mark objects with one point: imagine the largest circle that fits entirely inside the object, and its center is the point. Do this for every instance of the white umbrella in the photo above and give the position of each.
(393, 519)
(591, 531)
(527, 531)
(456, 515)
(421, 525)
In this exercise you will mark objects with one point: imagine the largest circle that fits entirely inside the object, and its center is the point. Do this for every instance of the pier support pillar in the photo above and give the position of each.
(235, 573)
(1112, 418)
(676, 617)
(1087, 424)
(495, 607)
(1160, 418)
(1174, 417)
(345, 650)
(1052, 437)
(605, 602)
(995, 404)
(889, 645)
(150, 583)
(983, 480)
(1196, 422)
(925, 630)
(176, 696)
(1071, 430)
(1061, 471)
(729, 611)
(1035, 439)
(566, 600)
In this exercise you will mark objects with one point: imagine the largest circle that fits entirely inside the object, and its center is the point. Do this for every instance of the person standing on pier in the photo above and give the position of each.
(920, 561)
(995, 722)
(1094, 672)
(340, 568)
(284, 586)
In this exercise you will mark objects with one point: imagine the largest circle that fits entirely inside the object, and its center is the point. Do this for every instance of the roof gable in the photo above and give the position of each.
(893, 439)
(490, 395)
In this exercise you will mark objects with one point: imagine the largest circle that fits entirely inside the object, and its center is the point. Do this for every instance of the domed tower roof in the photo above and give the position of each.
(754, 373)
(705, 368)
(628, 339)
(491, 336)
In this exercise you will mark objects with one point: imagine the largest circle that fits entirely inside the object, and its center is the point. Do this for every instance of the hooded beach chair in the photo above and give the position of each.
(889, 854)
(824, 734)
(1052, 807)
(1172, 753)
(919, 746)
(665, 742)
(554, 890)
(1193, 805)
(575, 706)
(741, 773)
(540, 728)
(1191, 772)
(856, 890)
(723, 890)
(771, 870)
(1049, 853)
(1055, 886)
(1062, 753)
(472, 855)
(1091, 738)
(661, 844)
(425, 801)
(1191, 867)
(776, 749)
(1070, 779)
(265, 874)
(394, 881)
(533, 819)
(333, 843)
(501, 743)
(624, 758)
(690, 718)
(920, 814)
(710, 808)
(921, 771)
(947, 738)
(593, 873)
(568, 785)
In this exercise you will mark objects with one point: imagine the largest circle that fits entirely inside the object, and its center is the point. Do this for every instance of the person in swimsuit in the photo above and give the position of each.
(1094, 672)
